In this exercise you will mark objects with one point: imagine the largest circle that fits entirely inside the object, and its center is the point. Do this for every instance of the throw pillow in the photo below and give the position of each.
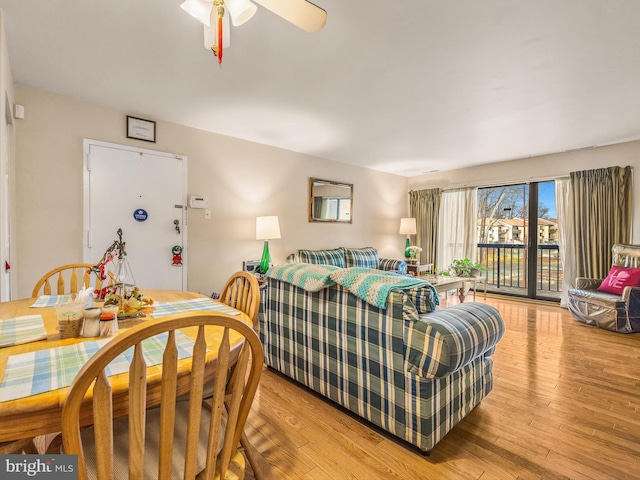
(333, 257)
(361, 257)
(618, 278)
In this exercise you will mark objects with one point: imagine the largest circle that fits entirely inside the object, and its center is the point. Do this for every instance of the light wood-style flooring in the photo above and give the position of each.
(565, 405)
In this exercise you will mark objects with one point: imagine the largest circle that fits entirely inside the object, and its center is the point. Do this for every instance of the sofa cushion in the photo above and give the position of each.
(618, 278)
(603, 299)
(366, 257)
(335, 257)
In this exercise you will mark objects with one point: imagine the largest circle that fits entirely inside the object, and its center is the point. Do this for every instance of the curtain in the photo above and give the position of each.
(566, 236)
(424, 206)
(457, 226)
(602, 207)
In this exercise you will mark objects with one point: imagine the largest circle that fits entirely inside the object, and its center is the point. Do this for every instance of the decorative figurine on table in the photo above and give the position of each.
(124, 292)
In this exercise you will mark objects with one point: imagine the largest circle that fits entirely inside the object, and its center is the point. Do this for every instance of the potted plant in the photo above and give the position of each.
(465, 268)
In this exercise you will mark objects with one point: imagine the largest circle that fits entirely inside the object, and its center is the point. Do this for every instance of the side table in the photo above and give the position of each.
(416, 269)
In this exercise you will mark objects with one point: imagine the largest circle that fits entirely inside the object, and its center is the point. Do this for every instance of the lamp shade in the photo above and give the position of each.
(211, 32)
(267, 228)
(199, 9)
(240, 10)
(408, 226)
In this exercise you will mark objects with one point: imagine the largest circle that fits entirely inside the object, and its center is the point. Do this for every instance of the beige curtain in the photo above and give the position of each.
(602, 217)
(566, 236)
(457, 238)
(424, 206)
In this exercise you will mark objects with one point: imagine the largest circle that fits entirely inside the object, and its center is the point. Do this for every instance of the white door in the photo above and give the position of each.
(144, 193)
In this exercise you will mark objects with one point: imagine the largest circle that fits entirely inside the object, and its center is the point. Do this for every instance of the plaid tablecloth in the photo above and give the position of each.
(51, 300)
(41, 371)
(168, 308)
(19, 330)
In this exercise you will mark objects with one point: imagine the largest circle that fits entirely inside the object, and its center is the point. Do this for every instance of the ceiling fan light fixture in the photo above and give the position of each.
(199, 9)
(241, 11)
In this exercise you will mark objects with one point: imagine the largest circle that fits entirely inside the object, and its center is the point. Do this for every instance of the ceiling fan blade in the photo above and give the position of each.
(302, 14)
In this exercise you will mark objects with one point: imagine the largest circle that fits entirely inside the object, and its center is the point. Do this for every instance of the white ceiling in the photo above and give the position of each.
(407, 87)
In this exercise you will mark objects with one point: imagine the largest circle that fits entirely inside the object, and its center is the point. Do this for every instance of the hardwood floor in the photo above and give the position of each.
(565, 405)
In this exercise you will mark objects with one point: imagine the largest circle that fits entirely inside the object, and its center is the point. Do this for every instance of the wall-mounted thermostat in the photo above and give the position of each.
(196, 201)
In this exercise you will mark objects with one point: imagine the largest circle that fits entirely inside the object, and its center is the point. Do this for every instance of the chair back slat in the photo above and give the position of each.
(195, 407)
(60, 283)
(103, 418)
(168, 406)
(238, 410)
(73, 282)
(217, 408)
(137, 415)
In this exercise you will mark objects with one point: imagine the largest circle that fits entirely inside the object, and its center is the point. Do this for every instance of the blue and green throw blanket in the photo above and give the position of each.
(374, 286)
(310, 277)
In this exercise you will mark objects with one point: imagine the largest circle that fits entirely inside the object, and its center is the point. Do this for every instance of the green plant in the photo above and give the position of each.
(465, 268)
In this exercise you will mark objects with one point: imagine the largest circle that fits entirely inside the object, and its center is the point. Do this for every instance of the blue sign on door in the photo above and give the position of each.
(140, 215)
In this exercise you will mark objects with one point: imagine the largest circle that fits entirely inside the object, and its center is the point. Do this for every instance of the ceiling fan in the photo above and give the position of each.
(214, 15)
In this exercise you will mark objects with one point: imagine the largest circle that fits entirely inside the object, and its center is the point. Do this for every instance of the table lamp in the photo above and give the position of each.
(407, 227)
(267, 228)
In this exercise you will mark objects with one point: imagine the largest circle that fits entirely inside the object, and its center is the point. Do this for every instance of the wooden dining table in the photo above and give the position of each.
(41, 413)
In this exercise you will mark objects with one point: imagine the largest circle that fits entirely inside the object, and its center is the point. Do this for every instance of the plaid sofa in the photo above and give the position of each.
(343, 257)
(413, 374)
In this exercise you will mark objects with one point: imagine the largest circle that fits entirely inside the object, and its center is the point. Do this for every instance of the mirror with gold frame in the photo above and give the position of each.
(330, 201)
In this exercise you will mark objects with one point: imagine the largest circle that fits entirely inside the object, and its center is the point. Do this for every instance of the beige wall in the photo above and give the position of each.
(241, 179)
(545, 167)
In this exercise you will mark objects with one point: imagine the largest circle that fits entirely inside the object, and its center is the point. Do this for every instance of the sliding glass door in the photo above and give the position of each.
(517, 237)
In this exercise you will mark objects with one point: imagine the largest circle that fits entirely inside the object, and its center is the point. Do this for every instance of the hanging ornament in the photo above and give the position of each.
(220, 44)
(177, 255)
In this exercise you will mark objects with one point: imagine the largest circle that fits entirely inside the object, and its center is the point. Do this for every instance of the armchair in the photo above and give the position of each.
(588, 303)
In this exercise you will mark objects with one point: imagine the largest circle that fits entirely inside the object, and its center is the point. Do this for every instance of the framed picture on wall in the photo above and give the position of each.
(141, 129)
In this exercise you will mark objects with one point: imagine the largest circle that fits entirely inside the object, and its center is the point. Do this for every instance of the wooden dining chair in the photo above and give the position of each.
(70, 278)
(178, 439)
(242, 292)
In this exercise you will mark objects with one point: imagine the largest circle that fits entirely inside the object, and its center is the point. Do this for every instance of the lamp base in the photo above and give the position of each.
(265, 261)
(407, 252)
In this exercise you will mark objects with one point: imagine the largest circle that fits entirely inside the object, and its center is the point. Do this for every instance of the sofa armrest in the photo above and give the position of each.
(631, 295)
(441, 342)
(393, 265)
(583, 283)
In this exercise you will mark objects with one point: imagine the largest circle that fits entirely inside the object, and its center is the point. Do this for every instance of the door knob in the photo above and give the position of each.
(177, 224)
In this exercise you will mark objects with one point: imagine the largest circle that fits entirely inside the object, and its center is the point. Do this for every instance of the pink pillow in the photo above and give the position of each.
(618, 278)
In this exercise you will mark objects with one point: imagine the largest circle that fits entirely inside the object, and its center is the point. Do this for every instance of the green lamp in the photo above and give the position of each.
(267, 228)
(407, 227)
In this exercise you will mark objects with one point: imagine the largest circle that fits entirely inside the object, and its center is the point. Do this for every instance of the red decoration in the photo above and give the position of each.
(220, 13)
(177, 255)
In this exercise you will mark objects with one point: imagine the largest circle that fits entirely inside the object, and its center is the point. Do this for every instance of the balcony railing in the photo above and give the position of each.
(506, 266)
